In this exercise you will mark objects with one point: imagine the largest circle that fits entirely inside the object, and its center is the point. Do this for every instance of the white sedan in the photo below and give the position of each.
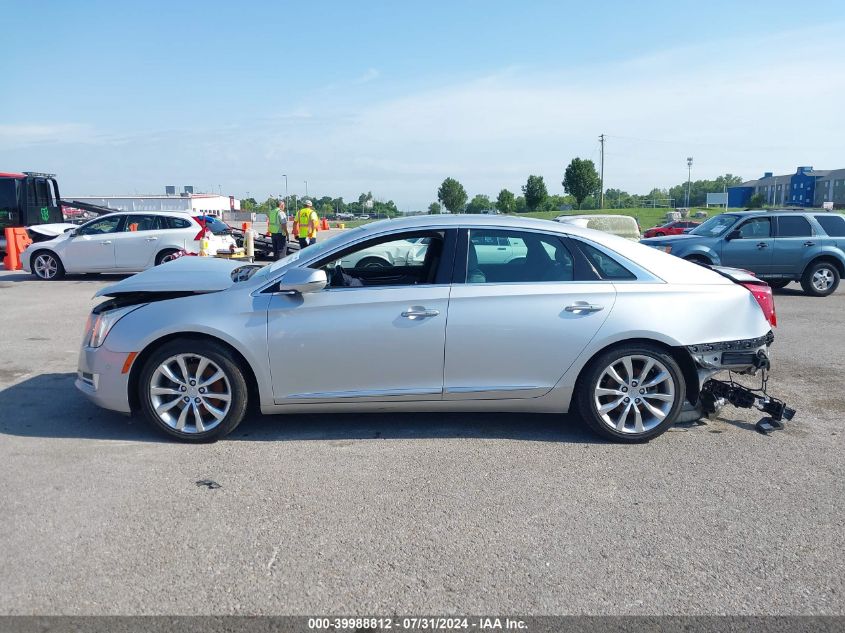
(119, 242)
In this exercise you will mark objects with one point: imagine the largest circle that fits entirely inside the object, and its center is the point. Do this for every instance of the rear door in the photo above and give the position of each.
(753, 248)
(514, 328)
(136, 246)
(795, 244)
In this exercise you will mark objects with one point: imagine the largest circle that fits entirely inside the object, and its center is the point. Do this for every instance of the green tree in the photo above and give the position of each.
(535, 192)
(580, 179)
(452, 195)
(506, 202)
(756, 201)
(434, 208)
(478, 204)
(249, 204)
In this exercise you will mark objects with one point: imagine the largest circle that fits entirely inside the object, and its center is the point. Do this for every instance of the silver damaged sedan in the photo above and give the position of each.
(490, 313)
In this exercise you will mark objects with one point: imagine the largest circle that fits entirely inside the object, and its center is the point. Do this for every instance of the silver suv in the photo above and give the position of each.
(779, 246)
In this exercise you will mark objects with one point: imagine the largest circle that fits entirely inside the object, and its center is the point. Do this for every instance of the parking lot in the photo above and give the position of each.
(414, 513)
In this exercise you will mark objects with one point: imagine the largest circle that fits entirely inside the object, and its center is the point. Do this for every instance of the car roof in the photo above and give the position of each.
(186, 214)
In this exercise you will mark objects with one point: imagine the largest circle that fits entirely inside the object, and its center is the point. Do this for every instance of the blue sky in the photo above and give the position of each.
(395, 96)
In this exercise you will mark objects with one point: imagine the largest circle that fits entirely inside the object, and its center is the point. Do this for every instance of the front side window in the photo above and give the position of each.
(409, 260)
(833, 225)
(756, 228)
(101, 226)
(794, 226)
(8, 193)
(505, 256)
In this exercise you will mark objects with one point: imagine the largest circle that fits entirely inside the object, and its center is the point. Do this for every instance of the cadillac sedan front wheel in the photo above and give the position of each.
(193, 390)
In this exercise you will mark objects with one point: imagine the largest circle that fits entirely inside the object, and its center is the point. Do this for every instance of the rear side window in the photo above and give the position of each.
(178, 223)
(605, 265)
(794, 226)
(833, 225)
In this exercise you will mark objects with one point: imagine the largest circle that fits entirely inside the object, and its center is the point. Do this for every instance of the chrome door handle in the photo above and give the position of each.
(809, 243)
(106, 242)
(584, 307)
(152, 239)
(762, 245)
(418, 312)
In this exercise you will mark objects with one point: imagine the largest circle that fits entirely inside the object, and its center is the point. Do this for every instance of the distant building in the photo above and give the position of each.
(198, 203)
(807, 187)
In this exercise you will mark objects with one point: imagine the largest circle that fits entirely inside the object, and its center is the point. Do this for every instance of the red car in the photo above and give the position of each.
(671, 228)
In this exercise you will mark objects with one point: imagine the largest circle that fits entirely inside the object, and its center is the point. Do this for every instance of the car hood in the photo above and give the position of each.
(186, 275)
(51, 231)
(668, 238)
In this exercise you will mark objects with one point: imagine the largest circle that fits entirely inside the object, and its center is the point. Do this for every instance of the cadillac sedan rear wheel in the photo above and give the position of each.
(631, 393)
(193, 390)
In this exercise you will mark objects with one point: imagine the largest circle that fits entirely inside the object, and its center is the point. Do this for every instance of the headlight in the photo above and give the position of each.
(99, 325)
(661, 247)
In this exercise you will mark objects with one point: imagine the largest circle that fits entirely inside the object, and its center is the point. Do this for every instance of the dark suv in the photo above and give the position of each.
(779, 246)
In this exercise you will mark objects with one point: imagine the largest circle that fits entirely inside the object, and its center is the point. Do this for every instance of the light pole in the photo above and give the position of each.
(285, 176)
(306, 188)
(689, 179)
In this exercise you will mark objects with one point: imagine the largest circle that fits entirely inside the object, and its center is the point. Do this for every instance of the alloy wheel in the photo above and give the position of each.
(46, 266)
(634, 394)
(190, 393)
(823, 279)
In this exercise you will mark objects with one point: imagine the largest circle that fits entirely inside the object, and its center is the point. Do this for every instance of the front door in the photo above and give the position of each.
(753, 248)
(374, 334)
(516, 327)
(92, 247)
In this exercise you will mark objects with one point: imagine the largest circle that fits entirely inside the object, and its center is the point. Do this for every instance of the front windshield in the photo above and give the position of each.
(715, 226)
(310, 251)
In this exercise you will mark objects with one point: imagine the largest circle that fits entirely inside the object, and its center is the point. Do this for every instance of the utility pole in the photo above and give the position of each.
(306, 188)
(285, 176)
(601, 176)
(689, 179)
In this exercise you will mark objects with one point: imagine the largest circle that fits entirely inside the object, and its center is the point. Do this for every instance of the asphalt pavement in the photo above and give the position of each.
(423, 513)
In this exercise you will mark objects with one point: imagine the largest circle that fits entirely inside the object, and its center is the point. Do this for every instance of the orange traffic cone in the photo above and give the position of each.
(17, 240)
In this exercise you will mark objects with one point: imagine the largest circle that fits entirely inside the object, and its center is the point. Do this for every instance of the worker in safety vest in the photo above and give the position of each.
(277, 227)
(305, 225)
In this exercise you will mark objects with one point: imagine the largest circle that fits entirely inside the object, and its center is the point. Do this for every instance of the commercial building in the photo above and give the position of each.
(807, 187)
(197, 203)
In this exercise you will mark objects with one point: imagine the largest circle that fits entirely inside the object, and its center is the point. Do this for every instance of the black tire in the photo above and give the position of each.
(376, 263)
(165, 256)
(698, 259)
(591, 376)
(42, 256)
(226, 362)
(815, 273)
(660, 234)
(777, 284)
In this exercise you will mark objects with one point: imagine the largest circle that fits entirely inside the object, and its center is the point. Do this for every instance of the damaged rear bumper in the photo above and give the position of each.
(747, 356)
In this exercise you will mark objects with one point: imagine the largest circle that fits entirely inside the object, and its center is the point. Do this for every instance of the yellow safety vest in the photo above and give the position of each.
(305, 230)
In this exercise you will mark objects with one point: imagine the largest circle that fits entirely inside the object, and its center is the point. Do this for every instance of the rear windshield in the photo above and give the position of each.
(622, 225)
(215, 225)
(715, 226)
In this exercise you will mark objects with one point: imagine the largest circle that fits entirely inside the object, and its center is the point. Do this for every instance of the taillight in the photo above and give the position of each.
(763, 293)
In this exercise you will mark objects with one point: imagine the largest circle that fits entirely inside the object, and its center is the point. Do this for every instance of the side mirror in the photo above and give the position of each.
(734, 235)
(72, 232)
(303, 280)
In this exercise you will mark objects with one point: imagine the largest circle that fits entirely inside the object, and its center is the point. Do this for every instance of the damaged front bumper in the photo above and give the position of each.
(747, 356)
